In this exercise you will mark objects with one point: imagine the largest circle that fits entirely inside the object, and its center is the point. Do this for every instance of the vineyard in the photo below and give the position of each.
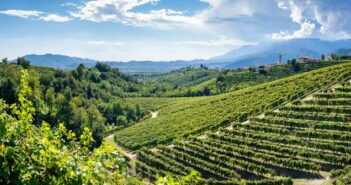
(300, 139)
(184, 117)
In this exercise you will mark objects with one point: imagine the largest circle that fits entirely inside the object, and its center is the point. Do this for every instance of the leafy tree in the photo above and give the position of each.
(21, 61)
(193, 178)
(295, 65)
(323, 57)
(122, 120)
(220, 78)
(79, 72)
(102, 67)
(8, 92)
(263, 72)
(90, 92)
(207, 91)
(43, 155)
(5, 60)
(334, 56)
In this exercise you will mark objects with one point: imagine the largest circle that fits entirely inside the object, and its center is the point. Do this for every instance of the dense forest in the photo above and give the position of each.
(85, 97)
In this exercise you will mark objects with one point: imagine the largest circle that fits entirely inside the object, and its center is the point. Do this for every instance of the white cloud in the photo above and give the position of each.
(26, 14)
(69, 5)
(106, 43)
(36, 15)
(55, 18)
(329, 18)
(210, 43)
(212, 2)
(121, 11)
(305, 30)
(282, 5)
(306, 27)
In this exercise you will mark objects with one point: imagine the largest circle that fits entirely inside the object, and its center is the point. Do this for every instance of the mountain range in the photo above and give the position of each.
(251, 55)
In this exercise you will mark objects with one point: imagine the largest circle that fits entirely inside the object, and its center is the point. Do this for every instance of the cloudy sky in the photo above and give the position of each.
(126, 30)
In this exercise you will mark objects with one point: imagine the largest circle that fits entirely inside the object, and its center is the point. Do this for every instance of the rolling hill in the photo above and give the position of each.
(292, 130)
(197, 115)
(343, 52)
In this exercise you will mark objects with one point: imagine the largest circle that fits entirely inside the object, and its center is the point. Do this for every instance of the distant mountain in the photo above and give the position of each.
(343, 52)
(149, 67)
(58, 61)
(132, 67)
(267, 53)
(264, 53)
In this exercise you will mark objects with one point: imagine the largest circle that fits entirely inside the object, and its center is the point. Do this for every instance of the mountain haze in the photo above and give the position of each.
(251, 55)
(266, 53)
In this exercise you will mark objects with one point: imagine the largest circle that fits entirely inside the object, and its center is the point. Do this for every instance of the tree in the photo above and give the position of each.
(194, 178)
(295, 65)
(252, 69)
(8, 92)
(45, 155)
(220, 78)
(121, 120)
(263, 72)
(5, 60)
(21, 61)
(90, 92)
(80, 72)
(323, 57)
(102, 67)
(334, 56)
(207, 91)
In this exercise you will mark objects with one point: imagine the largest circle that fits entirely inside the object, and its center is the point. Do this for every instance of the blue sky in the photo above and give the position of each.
(124, 30)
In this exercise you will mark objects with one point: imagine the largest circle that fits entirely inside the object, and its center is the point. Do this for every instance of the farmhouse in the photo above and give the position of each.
(304, 59)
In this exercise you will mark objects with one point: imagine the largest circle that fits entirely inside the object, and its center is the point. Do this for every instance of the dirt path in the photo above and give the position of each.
(154, 114)
(132, 156)
(312, 182)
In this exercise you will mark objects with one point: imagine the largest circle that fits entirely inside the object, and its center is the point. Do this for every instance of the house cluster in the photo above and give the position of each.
(304, 59)
(301, 59)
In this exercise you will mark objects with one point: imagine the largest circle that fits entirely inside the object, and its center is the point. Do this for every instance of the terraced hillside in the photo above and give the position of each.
(301, 139)
(197, 115)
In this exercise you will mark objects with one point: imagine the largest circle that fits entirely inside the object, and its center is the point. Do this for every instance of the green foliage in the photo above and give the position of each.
(342, 176)
(192, 179)
(85, 97)
(5, 60)
(121, 120)
(286, 142)
(231, 80)
(183, 117)
(31, 155)
(23, 62)
(175, 82)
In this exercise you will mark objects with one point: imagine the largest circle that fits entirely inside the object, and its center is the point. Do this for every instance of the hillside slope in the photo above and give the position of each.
(207, 113)
(84, 97)
(302, 139)
(230, 80)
